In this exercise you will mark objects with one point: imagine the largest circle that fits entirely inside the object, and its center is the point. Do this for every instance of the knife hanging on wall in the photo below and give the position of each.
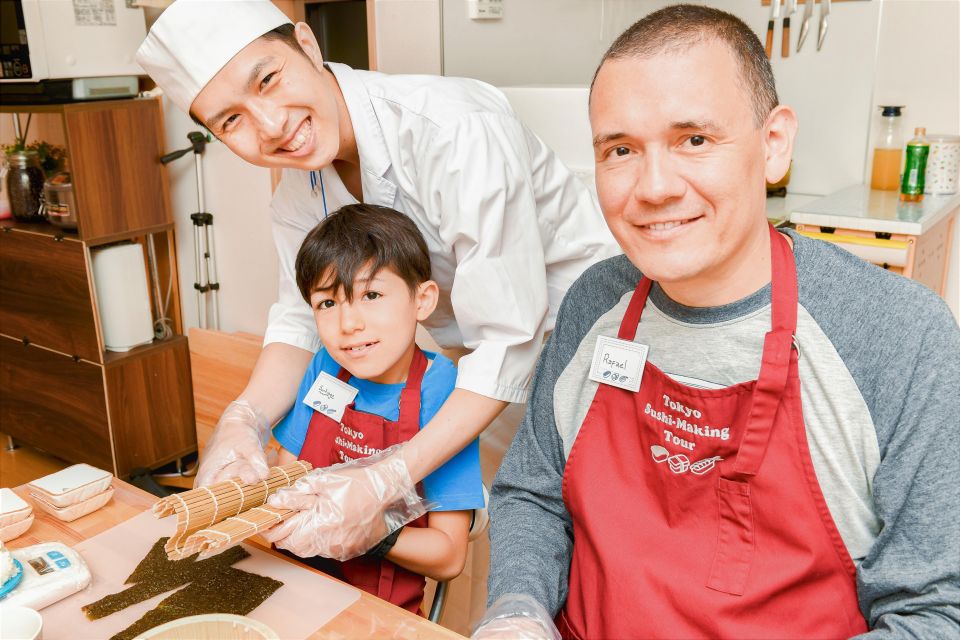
(774, 14)
(805, 24)
(824, 22)
(789, 8)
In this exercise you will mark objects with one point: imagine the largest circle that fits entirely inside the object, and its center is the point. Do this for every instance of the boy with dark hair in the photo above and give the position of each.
(365, 272)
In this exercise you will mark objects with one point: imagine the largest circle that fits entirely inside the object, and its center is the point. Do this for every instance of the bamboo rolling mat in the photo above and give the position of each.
(210, 519)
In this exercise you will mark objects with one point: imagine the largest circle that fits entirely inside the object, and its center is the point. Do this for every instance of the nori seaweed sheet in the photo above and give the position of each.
(228, 591)
(156, 574)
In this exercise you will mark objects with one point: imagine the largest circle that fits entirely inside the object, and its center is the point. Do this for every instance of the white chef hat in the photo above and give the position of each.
(193, 39)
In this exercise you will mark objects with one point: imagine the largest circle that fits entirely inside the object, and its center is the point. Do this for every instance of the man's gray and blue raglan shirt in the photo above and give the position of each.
(880, 384)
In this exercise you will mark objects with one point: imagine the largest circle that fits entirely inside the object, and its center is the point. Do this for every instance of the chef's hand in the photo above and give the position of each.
(236, 447)
(516, 617)
(347, 509)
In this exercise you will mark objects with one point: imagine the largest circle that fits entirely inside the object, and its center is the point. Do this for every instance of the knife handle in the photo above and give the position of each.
(785, 45)
(768, 48)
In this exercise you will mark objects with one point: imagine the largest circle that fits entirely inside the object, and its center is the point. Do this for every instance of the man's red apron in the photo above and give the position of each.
(697, 513)
(358, 435)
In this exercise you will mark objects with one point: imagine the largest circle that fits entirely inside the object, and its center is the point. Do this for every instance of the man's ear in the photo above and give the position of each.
(779, 133)
(308, 42)
(426, 296)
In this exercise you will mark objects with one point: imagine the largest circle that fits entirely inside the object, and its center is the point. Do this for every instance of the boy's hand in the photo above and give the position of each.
(236, 448)
(347, 509)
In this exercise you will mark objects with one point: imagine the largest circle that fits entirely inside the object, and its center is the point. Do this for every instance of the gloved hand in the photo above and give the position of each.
(236, 447)
(347, 509)
(516, 616)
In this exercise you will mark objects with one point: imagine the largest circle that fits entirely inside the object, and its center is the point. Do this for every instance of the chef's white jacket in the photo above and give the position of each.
(508, 226)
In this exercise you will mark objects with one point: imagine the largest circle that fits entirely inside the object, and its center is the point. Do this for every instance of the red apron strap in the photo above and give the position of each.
(776, 360)
(409, 419)
(628, 326)
(343, 375)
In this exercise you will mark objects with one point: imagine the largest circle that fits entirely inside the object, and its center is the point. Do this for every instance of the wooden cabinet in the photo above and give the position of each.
(60, 390)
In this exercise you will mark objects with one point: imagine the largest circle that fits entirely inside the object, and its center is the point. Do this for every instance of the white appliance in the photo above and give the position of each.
(123, 298)
(61, 39)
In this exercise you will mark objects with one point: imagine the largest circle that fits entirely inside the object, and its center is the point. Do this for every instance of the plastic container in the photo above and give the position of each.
(13, 508)
(76, 510)
(887, 150)
(16, 529)
(211, 626)
(943, 165)
(52, 571)
(71, 485)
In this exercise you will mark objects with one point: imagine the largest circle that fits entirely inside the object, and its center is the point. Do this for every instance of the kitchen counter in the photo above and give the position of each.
(910, 238)
(865, 209)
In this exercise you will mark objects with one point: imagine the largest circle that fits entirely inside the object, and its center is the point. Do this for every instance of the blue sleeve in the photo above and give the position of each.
(456, 485)
(291, 431)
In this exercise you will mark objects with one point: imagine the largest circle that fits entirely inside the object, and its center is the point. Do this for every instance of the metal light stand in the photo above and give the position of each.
(204, 254)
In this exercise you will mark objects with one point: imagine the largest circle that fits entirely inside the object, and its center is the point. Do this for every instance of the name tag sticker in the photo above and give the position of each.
(618, 363)
(329, 396)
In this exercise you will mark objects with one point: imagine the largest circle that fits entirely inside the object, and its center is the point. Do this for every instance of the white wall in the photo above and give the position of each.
(561, 41)
(876, 52)
(238, 196)
(896, 50)
(408, 36)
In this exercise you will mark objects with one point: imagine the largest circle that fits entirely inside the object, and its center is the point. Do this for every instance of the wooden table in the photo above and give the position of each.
(368, 617)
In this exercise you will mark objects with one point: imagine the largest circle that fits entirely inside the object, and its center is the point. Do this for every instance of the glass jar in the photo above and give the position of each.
(25, 185)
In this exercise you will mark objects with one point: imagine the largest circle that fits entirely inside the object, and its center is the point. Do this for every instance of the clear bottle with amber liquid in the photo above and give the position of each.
(915, 167)
(888, 150)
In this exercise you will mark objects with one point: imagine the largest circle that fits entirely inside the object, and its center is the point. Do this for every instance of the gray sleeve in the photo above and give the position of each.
(531, 537)
(902, 348)
(909, 583)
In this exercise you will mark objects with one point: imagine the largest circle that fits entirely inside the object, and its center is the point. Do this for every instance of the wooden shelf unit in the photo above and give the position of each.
(60, 389)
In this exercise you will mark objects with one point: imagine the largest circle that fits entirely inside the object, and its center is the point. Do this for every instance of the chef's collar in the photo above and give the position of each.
(193, 39)
(371, 145)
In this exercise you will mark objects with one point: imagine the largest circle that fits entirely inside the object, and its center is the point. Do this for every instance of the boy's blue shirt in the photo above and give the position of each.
(456, 485)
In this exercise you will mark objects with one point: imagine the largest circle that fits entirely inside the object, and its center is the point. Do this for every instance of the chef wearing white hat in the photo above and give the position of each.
(508, 226)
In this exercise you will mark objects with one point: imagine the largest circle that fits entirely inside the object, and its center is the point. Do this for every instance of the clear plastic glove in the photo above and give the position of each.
(347, 509)
(236, 449)
(516, 616)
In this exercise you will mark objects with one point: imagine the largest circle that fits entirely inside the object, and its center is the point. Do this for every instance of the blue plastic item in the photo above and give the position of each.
(9, 585)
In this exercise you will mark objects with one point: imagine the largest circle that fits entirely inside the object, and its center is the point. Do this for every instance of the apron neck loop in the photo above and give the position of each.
(410, 396)
(778, 358)
(628, 327)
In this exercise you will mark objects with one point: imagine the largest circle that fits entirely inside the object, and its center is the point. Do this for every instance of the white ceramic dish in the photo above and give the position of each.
(76, 510)
(71, 485)
(211, 626)
(16, 529)
(13, 508)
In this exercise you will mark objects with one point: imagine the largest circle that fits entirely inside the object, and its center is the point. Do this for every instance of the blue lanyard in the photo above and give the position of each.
(316, 178)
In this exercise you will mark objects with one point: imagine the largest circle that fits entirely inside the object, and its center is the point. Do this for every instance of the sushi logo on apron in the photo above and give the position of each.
(680, 463)
(677, 418)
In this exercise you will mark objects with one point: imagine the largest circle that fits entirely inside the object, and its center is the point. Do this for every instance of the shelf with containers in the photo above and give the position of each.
(61, 389)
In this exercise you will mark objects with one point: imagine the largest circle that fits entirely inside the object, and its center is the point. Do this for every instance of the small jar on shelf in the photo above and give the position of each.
(25, 185)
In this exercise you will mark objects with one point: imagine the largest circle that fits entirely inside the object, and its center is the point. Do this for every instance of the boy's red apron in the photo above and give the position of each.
(322, 447)
(697, 513)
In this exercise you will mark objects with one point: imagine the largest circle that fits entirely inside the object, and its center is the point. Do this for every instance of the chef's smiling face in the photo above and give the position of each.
(372, 334)
(275, 106)
(681, 162)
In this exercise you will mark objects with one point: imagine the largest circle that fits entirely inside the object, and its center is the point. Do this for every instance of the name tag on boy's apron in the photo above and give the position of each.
(329, 396)
(618, 363)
